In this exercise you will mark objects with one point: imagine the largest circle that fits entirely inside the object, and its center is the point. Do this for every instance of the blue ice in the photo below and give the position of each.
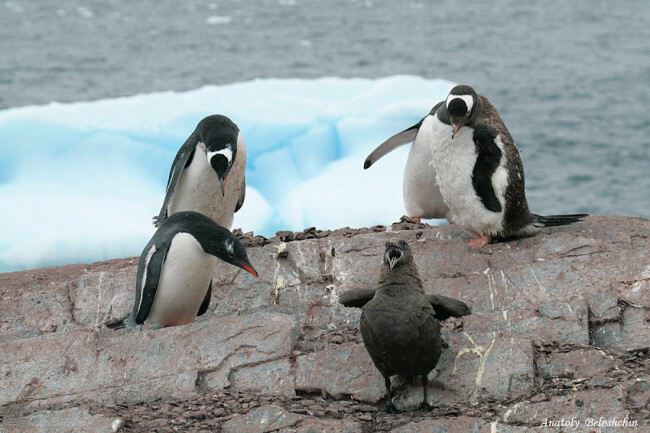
(80, 182)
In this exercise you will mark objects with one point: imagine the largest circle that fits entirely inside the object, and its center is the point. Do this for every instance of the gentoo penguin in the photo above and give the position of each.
(479, 171)
(420, 192)
(174, 278)
(207, 175)
(399, 324)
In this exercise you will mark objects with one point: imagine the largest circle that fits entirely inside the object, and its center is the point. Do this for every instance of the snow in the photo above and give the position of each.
(80, 182)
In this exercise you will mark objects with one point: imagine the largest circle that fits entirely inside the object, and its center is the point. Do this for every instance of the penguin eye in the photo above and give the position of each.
(230, 248)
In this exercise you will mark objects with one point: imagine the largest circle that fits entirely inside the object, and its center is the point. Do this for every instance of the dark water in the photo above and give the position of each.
(571, 79)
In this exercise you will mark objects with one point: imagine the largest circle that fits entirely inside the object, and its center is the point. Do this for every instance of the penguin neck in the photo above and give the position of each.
(209, 235)
(394, 282)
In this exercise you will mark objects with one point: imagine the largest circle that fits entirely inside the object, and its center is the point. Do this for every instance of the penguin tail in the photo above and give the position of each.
(116, 324)
(557, 220)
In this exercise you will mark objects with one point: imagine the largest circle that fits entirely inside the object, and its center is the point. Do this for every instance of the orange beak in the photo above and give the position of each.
(249, 269)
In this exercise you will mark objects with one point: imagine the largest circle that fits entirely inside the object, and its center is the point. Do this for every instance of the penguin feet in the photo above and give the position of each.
(479, 243)
(390, 408)
(410, 220)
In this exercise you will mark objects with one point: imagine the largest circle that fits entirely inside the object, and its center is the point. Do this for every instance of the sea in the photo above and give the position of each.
(571, 79)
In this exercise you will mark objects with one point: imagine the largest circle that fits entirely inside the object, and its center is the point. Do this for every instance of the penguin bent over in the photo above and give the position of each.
(399, 324)
(207, 175)
(174, 278)
(479, 171)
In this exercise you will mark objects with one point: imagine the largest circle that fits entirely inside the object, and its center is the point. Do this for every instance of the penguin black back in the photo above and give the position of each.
(175, 270)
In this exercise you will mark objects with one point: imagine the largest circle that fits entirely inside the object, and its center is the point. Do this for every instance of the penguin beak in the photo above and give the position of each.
(393, 256)
(248, 268)
(455, 127)
(221, 167)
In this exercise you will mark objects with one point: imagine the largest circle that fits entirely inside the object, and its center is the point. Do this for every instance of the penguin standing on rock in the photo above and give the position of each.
(174, 279)
(207, 175)
(420, 191)
(464, 166)
(479, 171)
(399, 324)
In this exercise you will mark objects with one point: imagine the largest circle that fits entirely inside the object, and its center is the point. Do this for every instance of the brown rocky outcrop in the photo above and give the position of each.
(560, 329)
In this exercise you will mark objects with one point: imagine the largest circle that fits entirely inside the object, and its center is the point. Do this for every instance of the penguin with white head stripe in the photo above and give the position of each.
(207, 174)
(174, 278)
(464, 166)
(480, 173)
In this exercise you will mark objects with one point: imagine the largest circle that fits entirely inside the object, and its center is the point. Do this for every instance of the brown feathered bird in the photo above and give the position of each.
(399, 324)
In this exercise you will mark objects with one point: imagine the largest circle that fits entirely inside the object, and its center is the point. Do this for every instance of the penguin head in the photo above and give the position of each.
(215, 240)
(461, 105)
(220, 136)
(228, 248)
(397, 254)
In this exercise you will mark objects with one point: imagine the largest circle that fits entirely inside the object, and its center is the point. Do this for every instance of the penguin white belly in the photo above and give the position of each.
(454, 161)
(421, 193)
(183, 282)
(199, 190)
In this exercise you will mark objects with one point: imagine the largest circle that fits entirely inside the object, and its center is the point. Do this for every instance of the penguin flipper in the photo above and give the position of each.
(242, 194)
(488, 160)
(206, 301)
(446, 307)
(181, 161)
(149, 274)
(356, 298)
(397, 140)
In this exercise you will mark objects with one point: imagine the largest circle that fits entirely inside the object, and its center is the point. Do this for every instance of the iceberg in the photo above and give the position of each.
(80, 181)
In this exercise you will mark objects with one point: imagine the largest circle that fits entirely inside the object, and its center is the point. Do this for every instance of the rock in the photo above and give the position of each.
(324, 425)
(340, 370)
(639, 394)
(482, 366)
(635, 291)
(595, 403)
(71, 420)
(474, 368)
(274, 377)
(117, 424)
(572, 328)
(283, 339)
(99, 295)
(261, 420)
(630, 333)
(460, 424)
(578, 363)
(274, 418)
(140, 365)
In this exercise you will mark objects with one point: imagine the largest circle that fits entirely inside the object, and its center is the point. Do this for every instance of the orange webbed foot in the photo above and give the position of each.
(479, 243)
